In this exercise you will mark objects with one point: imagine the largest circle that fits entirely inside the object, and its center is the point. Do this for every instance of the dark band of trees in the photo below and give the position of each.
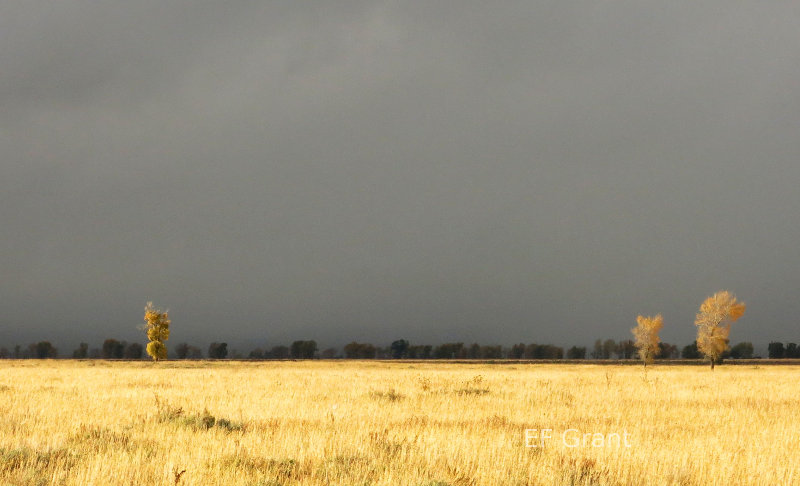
(399, 349)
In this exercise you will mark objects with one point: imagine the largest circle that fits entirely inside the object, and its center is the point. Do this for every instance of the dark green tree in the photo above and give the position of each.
(279, 352)
(399, 348)
(420, 351)
(328, 353)
(356, 350)
(775, 350)
(742, 350)
(218, 351)
(517, 351)
(43, 349)
(82, 352)
(691, 352)
(134, 351)
(449, 351)
(491, 352)
(576, 352)
(303, 349)
(626, 349)
(113, 349)
(182, 351)
(667, 351)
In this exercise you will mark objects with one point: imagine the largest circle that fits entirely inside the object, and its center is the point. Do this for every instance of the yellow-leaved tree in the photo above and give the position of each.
(156, 324)
(713, 322)
(646, 337)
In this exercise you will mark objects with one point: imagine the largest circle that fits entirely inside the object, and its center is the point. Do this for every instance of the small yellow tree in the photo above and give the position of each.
(156, 324)
(713, 322)
(646, 337)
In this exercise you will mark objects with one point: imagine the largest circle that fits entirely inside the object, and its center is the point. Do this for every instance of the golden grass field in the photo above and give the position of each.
(394, 423)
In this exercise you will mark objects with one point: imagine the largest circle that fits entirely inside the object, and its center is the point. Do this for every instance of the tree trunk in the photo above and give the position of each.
(712, 365)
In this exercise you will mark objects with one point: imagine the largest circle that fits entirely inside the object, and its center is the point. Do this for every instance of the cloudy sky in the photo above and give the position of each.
(438, 171)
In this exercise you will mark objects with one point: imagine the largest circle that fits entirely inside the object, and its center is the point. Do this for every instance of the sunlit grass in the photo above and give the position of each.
(319, 423)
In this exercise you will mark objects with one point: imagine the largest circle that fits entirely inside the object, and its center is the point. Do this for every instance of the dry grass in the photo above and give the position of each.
(354, 423)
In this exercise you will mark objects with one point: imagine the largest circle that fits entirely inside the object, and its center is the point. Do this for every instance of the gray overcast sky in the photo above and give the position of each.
(473, 171)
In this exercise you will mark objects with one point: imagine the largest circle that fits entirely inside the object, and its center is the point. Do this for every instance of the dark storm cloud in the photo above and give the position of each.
(357, 170)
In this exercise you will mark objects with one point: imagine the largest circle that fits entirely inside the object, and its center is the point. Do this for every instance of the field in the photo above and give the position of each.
(395, 423)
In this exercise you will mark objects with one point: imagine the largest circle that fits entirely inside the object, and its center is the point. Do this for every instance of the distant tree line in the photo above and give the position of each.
(400, 349)
(743, 350)
(778, 350)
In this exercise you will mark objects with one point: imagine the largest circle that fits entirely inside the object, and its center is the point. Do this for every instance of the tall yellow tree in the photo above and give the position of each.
(156, 324)
(646, 337)
(713, 322)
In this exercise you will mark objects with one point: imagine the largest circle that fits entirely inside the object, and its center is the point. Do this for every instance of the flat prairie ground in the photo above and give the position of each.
(396, 423)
